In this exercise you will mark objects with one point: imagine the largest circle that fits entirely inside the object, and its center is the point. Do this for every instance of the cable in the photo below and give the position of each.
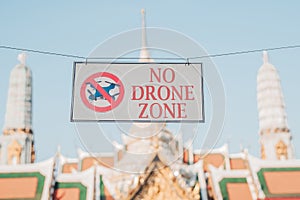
(42, 52)
(247, 51)
(161, 58)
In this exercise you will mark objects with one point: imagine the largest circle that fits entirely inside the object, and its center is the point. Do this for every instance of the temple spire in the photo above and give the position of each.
(144, 40)
(145, 134)
(271, 106)
(273, 126)
(144, 53)
(22, 59)
(17, 131)
(18, 110)
(265, 57)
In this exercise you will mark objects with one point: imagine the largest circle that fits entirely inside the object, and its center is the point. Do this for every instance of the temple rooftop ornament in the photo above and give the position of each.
(144, 53)
(22, 59)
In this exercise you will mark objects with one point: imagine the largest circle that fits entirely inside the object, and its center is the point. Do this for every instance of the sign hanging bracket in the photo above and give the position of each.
(187, 62)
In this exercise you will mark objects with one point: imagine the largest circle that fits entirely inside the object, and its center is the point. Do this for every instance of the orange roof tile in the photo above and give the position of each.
(18, 188)
(283, 182)
(238, 191)
(216, 159)
(67, 194)
(237, 163)
(91, 161)
(67, 167)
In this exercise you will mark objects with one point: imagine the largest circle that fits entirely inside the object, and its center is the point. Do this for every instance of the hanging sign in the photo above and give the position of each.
(145, 92)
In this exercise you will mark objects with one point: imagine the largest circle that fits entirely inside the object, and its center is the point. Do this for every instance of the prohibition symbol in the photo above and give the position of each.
(102, 92)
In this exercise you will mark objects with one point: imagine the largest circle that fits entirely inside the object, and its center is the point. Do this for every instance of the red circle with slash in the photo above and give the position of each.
(113, 103)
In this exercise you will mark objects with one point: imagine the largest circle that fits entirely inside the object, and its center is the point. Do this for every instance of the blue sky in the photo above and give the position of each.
(77, 27)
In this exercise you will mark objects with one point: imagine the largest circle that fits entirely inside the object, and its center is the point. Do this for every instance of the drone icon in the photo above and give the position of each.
(95, 95)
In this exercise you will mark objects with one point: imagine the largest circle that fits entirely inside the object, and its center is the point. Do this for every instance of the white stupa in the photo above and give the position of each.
(275, 136)
(17, 139)
(19, 105)
(271, 107)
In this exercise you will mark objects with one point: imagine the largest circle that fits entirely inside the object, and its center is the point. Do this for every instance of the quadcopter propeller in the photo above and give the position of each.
(92, 96)
(111, 83)
(91, 85)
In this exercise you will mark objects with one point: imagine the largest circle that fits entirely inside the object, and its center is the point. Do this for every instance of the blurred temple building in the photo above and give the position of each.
(157, 167)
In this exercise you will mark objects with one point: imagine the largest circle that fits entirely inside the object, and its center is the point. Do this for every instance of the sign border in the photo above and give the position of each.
(142, 121)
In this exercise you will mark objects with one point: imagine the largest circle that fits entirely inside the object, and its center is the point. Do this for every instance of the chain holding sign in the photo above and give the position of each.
(144, 92)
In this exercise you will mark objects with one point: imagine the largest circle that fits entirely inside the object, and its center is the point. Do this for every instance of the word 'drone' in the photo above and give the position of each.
(137, 92)
(175, 94)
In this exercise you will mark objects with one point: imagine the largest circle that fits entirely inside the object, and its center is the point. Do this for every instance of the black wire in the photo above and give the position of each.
(131, 58)
(161, 58)
(42, 52)
(246, 51)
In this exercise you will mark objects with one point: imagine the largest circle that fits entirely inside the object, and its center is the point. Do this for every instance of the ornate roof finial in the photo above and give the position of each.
(144, 54)
(265, 57)
(58, 151)
(22, 58)
(144, 40)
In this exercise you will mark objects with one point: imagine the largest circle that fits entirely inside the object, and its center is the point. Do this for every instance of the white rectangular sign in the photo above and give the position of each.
(145, 92)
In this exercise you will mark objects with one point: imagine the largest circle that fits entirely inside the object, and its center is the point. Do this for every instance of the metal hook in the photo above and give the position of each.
(187, 62)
